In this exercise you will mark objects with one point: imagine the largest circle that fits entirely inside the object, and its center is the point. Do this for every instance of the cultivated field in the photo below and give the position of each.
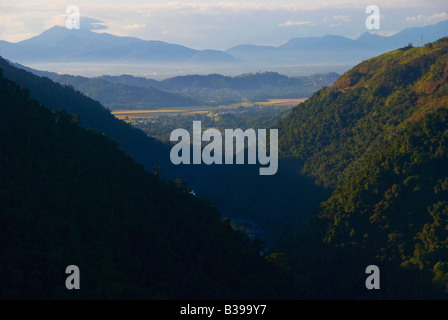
(283, 102)
(139, 114)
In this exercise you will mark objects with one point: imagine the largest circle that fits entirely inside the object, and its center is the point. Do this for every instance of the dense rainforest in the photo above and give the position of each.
(379, 139)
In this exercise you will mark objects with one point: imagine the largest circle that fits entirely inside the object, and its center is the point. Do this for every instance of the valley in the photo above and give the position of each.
(233, 108)
(157, 184)
(161, 122)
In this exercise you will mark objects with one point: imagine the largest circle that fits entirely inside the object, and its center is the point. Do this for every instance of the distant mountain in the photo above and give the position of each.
(326, 43)
(337, 49)
(131, 80)
(219, 89)
(215, 81)
(116, 96)
(121, 96)
(59, 44)
(129, 92)
(241, 82)
(210, 57)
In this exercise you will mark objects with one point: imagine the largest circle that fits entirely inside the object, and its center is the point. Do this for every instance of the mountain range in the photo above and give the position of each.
(337, 49)
(59, 44)
(130, 92)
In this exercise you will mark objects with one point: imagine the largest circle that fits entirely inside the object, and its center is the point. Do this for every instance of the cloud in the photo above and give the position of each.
(216, 24)
(433, 18)
(413, 19)
(134, 26)
(92, 23)
(211, 7)
(296, 23)
(285, 5)
(439, 16)
(342, 18)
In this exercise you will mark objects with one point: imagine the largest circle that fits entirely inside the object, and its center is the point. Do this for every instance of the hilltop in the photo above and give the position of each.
(131, 92)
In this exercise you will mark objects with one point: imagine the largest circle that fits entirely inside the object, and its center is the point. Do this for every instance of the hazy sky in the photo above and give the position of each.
(219, 24)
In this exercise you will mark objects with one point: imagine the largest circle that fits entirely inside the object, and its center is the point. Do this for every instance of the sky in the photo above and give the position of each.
(218, 24)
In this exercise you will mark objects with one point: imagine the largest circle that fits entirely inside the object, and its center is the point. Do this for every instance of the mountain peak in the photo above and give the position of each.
(62, 30)
(84, 45)
(365, 35)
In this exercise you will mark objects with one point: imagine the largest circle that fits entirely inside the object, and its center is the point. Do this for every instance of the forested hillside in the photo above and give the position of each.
(122, 96)
(379, 138)
(145, 150)
(68, 196)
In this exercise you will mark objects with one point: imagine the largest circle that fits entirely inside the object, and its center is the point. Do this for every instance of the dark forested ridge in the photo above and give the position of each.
(121, 96)
(145, 150)
(68, 196)
(379, 138)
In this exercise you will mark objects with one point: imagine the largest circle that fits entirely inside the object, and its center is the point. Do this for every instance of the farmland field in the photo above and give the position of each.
(282, 102)
(160, 123)
(142, 114)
